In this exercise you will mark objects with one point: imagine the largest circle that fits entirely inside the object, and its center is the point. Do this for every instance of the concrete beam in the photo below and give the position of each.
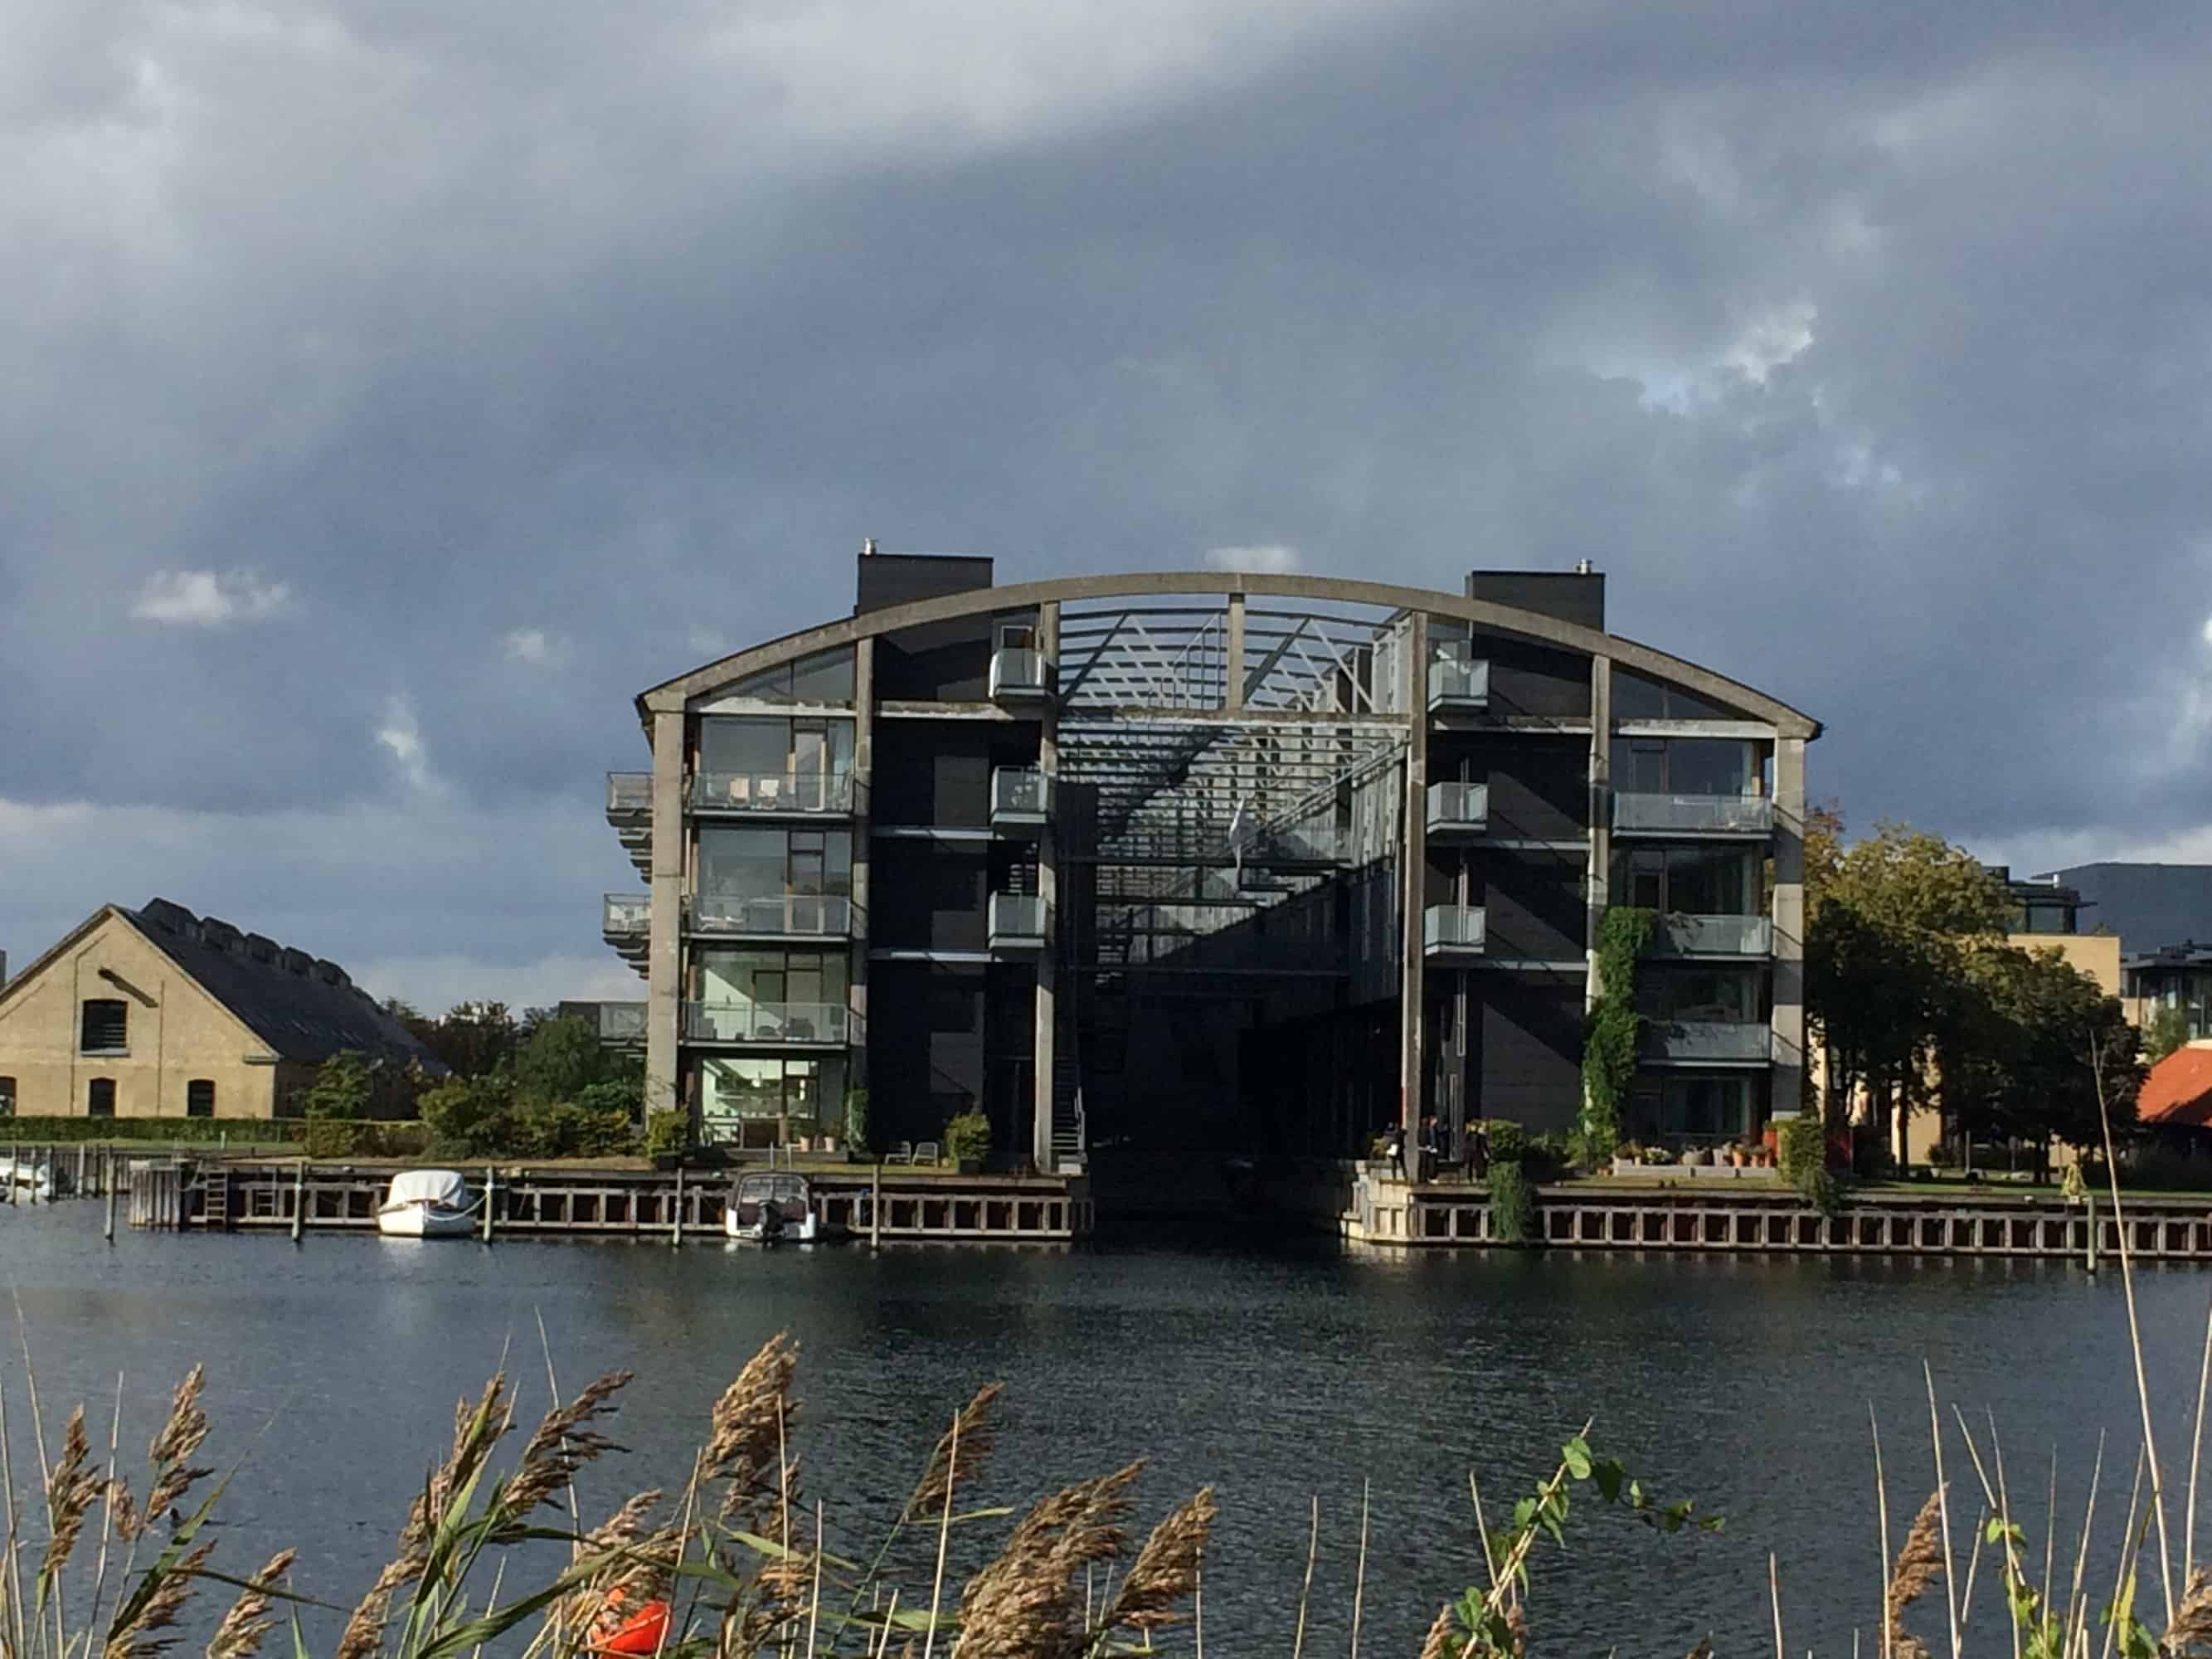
(1789, 924)
(1232, 696)
(1044, 1056)
(1601, 820)
(664, 1012)
(864, 766)
(1413, 884)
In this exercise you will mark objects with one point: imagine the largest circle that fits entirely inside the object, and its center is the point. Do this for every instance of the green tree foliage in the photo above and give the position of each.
(968, 1135)
(343, 1085)
(559, 1059)
(1611, 1030)
(1890, 921)
(2034, 1042)
(2166, 1029)
(471, 1117)
(474, 1038)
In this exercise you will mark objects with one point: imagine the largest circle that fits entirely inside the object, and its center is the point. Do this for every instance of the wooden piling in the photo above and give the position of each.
(875, 1208)
(108, 1232)
(299, 1199)
(491, 1187)
(675, 1221)
(12, 1172)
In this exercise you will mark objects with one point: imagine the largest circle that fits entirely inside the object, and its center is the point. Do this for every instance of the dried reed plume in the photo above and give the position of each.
(746, 1431)
(134, 1638)
(1916, 1568)
(1024, 1604)
(563, 1442)
(973, 1434)
(171, 1451)
(1166, 1572)
(239, 1635)
(2192, 1628)
(1443, 1641)
(71, 1492)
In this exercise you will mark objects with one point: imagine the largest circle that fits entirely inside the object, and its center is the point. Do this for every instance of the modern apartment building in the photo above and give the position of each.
(1215, 860)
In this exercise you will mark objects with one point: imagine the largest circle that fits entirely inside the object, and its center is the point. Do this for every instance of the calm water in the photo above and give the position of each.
(1744, 1384)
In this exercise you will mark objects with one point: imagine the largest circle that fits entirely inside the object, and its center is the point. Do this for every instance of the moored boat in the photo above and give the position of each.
(26, 1179)
(428, 1204)
(771, 1206)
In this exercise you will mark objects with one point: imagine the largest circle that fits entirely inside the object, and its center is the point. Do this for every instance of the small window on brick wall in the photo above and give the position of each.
(100, 1097)
(105, 1027)
(199, 1098)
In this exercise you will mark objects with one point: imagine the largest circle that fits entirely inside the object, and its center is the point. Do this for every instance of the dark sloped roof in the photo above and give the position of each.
(305, 1009)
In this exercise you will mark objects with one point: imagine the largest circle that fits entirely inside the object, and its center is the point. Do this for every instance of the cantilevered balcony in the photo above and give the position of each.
(1694, 818)
(625, 921)
(1458, 809)
(629, 811)
(1458, 683)
(1708, 1042)
(1021, 798)
(1017, 923)
(772, 794)
(1452, 930)
(1713, 936)
(772, 1024)
(782, 915)
(1019, 674)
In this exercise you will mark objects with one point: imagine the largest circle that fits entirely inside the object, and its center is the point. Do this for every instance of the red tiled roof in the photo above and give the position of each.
(2178, 1093)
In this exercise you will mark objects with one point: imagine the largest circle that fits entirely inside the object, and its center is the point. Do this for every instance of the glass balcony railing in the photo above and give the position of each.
(1458, 683)
(625, 914)
(769, 793)
(1016, 922)
(628, 793)
(1018, 673)
(1020, 795)
(786, 915)
(1452, 930)
(1711, 1042)
(824, 1025)
(1692, 815)
(1458, 806)
(1713, 936)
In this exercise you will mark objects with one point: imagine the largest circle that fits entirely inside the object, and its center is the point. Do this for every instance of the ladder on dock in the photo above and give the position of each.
(215, 1199)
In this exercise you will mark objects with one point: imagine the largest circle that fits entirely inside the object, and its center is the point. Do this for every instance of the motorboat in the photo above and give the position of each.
(775, 1206)
(428, 1204)
(25, 1178)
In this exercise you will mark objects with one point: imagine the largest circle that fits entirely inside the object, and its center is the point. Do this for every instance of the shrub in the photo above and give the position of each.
(667, 1131)
(559, 1059)
(1508, 1140)
(1512, 1202)
(342, 1138)
(342, 1087)
(562, 1130)
(856, 1119)
(1547, 1157)
(968, 1135)
(1801, 1148)
(471, 1117)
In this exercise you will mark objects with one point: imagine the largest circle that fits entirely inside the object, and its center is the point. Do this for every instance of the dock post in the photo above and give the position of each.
(675, 1224)
(876, 1206)
(12, 1171)
(108, 1233)
(299, 1199)
(491, 1185)
(2089, 1209)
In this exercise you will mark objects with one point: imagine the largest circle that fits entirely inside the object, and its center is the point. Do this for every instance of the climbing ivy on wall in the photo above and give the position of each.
(1610, 1036)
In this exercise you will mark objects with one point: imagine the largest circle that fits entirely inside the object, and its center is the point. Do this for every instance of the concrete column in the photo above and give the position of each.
(1789, 924)
(1413, 851)
(864, 769)
(1599, 874)
(663, 1010)
(1232, 697)
(1044, 1055)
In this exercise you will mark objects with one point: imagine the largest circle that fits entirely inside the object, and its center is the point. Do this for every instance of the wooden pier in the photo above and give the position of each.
(1773, 1220)
(871, 1204)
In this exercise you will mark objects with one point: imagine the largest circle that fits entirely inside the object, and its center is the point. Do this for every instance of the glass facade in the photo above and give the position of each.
(1690, 1111)
(826, 677)
(1683, 766)
(1695, 881)
(768, 1100)
(1702, 995)
(737, 977)
(767, 745)
(743, 862)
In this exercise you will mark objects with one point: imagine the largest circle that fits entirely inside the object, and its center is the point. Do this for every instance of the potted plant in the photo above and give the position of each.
(856, 1121)
(968, 1140)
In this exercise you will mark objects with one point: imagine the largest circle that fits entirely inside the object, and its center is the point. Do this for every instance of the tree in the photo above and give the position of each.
(2166, 1029)
(344, 1083)
(1889, 922)
(471, 1116)
(2038, 1051)
(560, 1059)
(475, 1039)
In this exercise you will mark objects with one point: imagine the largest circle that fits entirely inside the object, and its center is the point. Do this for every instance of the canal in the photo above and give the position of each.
(1278, 1375)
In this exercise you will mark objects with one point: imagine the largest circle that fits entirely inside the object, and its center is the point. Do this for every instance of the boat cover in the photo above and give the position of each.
(442, 1187)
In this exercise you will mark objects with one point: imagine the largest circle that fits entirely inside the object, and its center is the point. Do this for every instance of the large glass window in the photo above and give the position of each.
(1682, 766)
(772, 975)
(742, 862)
(826, 677)
(1640, 697)
(765, 1101)
(1716, 995)
(1696, 881)
(1678, 1111)
(769, 746)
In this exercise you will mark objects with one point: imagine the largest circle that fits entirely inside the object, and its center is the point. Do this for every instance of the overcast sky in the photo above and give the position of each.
(389, 391)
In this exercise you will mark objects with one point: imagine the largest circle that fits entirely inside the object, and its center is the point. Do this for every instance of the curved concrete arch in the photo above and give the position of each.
(672, 695)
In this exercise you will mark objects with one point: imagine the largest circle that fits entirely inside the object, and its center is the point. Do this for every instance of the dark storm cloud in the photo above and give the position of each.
(539, 354)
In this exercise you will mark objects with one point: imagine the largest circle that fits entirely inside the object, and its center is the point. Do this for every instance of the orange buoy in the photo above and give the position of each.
(639, 1634)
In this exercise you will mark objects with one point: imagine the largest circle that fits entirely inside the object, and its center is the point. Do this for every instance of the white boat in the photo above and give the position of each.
(774, 1207)
(26, 1179)
(428, 1204)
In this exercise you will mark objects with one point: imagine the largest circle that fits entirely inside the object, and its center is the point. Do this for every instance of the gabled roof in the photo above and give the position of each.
(304, 1009)
(2178, 1093)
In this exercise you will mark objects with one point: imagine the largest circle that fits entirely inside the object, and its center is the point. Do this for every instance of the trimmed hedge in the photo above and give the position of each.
(318, 1137)
(1801, 1150)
